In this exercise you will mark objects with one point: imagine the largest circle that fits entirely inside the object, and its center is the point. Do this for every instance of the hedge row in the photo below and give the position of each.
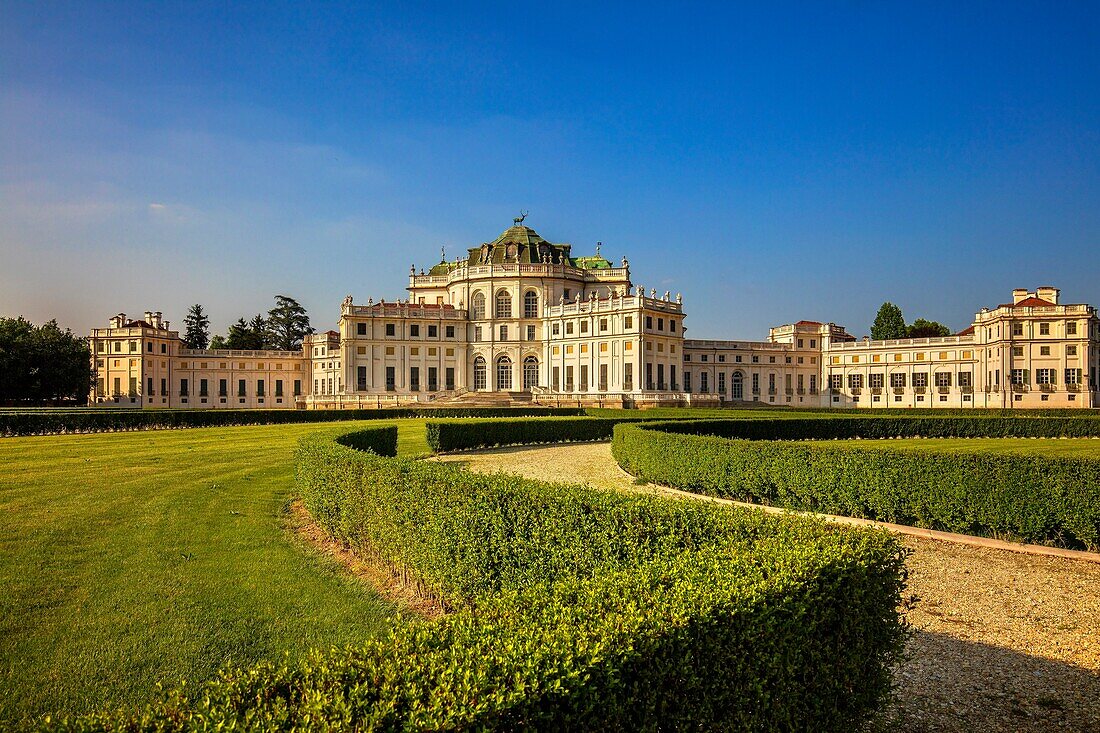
(1051, 500)
(106, 420)
(847, 427)
(454, 435)
(576, 610)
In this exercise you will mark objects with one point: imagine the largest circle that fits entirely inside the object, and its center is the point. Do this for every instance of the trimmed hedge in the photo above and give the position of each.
(1040, 499)
(455, 435)
(576, 610)
(107, 420)
(844, 427)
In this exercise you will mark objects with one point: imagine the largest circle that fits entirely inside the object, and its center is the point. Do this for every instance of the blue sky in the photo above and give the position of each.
(771, 161)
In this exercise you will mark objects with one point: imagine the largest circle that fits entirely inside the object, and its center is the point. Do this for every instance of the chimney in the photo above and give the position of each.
(1019, 294)
(159, 318)
(1048, 293)
(149, 317)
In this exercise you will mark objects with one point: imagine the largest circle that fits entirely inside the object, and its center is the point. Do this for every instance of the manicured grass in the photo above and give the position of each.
(128, 559)
(1048, 447)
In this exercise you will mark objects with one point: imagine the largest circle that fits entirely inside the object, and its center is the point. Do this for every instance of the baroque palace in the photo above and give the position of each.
(520, 319)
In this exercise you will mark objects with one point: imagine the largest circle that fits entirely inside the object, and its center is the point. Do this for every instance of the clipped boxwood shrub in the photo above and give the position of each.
(95, 420)
(454, 435)
(1041, 499)
(574, 609)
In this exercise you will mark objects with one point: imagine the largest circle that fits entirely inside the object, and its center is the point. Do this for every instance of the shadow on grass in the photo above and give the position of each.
(951, 684)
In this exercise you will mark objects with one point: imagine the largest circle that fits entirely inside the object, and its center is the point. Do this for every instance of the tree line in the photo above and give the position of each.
(42, 365)
(890, 324)
(284, 328)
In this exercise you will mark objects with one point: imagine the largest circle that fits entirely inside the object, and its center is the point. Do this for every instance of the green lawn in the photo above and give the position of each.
(128, 559)
(1052, 447)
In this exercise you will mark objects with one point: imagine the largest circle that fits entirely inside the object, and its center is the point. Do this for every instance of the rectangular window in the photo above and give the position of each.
(603, 324)
(771, 383)
(920, 379)
(584, 377)
(555, 380)
(260, 388)
(149, 347)
(391, 329)
(1018, 376)
(450, 332)
(649, 323)
(1017, 350)
(1044, 329)
(477, 333)
(661, 377)
(134, 347)
(1044, 376)
(660, 324)
(672, 325)
(183, 388)
(240, 388)
(966, 379)
(875, 381)
(897, 380)
(361, 329)
(433, 379)
(555, 329)
(855, 381)
(1071, 328)
(503, 333)
(1073, 376)
(391, 379)
(721, 382)
(414, 331)
(649, 376)
(297, 387)
(1071, 350)
(836, 381)
(584, 326)
(756, 383)
(414, 379)
(943, 379)
(687, 381)
(704, 387)
(628, 376)
(1044, 351)
(568, 328)
(149, 387)
(203, 388)
(449, 376)
(361, 379)
(628, 322)
(569, 379)
(278, 388)
(133, 386)
(433, 332)
(1017, 329)
(530, 333)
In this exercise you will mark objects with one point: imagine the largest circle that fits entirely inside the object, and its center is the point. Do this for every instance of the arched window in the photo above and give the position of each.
(738, 386)
(531, 304)
(504, 373)
(530, 373)
(504, 304)
(480, 375)
(477, 306)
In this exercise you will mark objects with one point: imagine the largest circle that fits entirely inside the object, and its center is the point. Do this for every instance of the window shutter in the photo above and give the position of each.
(1027, 376)
(1053, 376)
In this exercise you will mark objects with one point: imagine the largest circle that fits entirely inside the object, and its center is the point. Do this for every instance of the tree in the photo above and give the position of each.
(287, 324)
(198, 328)
(218, 342)
(921, 328)
(889, 323)
(240, 336)
(257, 328)
(42, 365)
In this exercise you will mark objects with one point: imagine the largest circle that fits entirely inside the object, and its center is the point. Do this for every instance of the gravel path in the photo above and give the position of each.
(1003, 642)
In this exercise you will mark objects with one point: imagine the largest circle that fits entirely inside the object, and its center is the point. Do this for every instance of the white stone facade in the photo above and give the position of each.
(522, 319)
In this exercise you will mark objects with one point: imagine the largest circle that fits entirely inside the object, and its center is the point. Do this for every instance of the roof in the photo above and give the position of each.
(809, 323)
(523, 245)
(966, 331)
(1031, 302)
(132, 324)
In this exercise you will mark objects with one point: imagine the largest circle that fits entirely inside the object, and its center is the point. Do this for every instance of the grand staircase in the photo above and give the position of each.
(487, 399)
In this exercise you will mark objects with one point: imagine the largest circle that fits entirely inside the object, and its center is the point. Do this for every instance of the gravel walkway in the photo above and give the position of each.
(1003, 642)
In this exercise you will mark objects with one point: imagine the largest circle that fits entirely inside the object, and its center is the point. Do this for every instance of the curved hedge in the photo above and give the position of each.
(455, 435)
(574, 609)
(93, 420)
(1032, 498)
